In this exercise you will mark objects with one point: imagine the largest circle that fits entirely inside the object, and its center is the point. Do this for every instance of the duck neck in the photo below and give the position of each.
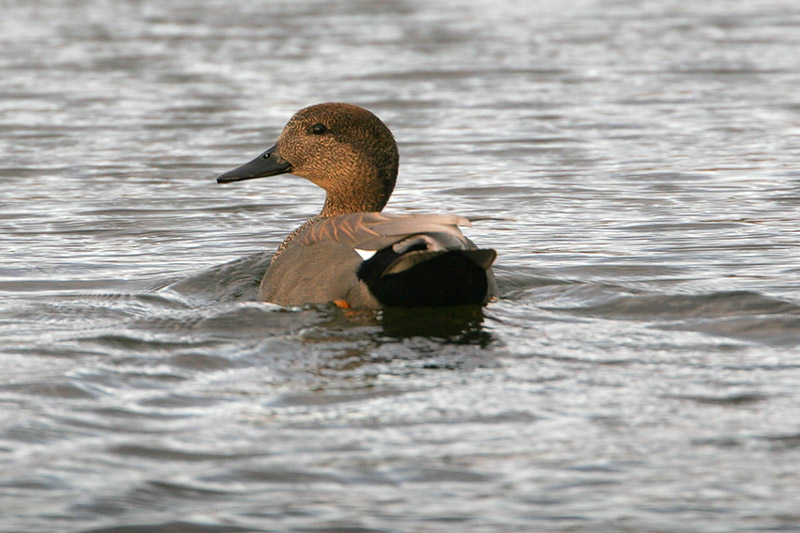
(336, 204)
(359, 195)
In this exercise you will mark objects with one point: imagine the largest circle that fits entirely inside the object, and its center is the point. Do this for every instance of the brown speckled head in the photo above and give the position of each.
(343, 148)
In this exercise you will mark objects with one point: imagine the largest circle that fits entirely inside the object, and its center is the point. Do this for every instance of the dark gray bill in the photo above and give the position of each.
(267, 164)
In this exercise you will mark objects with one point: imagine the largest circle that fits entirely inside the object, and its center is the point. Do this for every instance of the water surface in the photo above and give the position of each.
(635, 166)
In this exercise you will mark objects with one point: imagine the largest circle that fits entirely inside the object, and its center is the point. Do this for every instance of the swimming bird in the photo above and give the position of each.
(351, 254)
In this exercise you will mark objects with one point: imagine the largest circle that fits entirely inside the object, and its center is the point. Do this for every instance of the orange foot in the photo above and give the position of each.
(342, 304)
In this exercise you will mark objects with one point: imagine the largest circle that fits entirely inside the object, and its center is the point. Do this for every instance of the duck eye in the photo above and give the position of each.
(318, 129)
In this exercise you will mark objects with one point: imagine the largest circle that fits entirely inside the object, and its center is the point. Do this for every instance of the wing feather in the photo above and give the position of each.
(373, 231)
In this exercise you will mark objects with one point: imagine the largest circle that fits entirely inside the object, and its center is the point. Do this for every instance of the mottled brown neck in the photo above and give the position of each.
(335, 205)
(360, 194)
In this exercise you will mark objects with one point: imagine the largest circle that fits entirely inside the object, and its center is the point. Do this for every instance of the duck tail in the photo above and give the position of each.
(422, 271)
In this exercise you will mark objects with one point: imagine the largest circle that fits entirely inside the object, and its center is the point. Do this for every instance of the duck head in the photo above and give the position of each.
(342, 148)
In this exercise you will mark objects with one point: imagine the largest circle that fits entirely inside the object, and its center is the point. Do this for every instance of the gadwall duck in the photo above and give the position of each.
(351, 254)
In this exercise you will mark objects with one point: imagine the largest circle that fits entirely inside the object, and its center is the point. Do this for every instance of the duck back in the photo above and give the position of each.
(373, 260)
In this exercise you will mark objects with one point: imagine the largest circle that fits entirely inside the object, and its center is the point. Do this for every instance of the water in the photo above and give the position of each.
(634, 164)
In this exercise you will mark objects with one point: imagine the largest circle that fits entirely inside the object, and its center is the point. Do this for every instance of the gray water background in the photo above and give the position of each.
(635, 164)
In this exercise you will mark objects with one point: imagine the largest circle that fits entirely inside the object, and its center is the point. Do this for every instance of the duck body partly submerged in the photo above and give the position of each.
(351, 253)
